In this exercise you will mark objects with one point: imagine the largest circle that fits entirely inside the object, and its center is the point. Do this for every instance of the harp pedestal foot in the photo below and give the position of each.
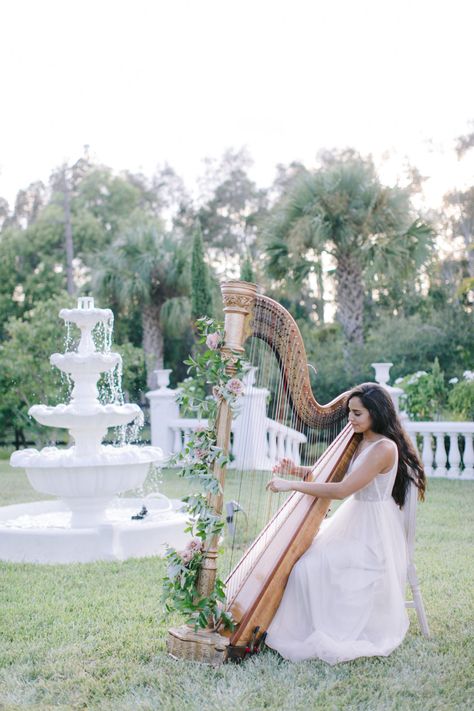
(197, 646)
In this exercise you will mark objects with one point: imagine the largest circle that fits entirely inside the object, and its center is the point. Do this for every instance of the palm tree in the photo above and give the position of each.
(147, 268)
(344, 210)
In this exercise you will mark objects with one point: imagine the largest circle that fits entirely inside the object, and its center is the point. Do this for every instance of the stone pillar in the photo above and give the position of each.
(250, 428)
(163, 409)
(382, 375)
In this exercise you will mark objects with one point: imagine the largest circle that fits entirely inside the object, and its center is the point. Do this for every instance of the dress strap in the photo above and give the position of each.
(369, 446)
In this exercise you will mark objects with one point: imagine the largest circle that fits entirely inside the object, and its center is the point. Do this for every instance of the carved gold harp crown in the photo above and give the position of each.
(255, 585)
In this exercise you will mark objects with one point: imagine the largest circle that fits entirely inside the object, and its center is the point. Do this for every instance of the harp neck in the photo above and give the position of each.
(248, 313)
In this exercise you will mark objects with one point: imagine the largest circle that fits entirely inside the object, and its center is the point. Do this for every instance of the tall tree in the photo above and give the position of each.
(201, 297)
(459, 210)
(64, 182)
(342, 209)
(4, 212)
(231, 209)
(28, 204)
(459, 213)
(145, 269)
(246, 270)
(464, 144)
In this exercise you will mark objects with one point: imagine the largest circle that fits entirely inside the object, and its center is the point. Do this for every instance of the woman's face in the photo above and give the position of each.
(359, 416)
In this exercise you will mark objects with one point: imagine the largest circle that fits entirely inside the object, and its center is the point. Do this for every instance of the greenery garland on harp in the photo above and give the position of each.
(208, 383)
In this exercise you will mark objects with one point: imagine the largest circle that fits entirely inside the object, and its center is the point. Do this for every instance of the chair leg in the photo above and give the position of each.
(418, 600)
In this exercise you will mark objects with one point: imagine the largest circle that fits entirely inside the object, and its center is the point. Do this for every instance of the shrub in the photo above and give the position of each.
(425, 393)
(461, 397)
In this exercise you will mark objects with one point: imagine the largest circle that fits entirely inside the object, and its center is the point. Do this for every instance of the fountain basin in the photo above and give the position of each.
(91, 417)
(87, 316)
(42, 532)
(87, 365)
(87, 483)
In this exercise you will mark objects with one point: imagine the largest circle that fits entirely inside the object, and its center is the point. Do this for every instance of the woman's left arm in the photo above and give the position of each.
(381, 459)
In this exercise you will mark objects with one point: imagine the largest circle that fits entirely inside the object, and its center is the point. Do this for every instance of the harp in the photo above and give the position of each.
(255, 583)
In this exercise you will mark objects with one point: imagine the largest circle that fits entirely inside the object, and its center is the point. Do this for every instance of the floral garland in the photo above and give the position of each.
(200, 394)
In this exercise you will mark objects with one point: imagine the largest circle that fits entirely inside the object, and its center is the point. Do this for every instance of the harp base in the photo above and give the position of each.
(198, 646)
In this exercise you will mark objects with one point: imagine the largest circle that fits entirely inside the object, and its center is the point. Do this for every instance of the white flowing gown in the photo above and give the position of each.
(345, 597)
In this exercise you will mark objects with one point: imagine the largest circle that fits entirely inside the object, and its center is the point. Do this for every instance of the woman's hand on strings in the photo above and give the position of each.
(286, 466)
(276, 485)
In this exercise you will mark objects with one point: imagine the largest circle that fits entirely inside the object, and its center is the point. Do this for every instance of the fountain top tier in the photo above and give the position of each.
(86, 317)
(86, 364)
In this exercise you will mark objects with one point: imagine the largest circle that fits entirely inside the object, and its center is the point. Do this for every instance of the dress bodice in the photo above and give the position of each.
(380, 488)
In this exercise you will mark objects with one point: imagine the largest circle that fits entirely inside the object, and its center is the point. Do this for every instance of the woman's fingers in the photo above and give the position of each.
(277, 485)
(284, 466)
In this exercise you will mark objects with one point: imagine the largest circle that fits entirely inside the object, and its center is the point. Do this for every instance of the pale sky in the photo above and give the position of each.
(148, 81)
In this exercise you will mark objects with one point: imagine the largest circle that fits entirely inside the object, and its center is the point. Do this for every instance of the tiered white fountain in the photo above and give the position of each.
(88, 522)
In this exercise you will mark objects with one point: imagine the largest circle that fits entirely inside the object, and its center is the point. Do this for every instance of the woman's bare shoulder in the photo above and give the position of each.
(388, 444)
(386, 451)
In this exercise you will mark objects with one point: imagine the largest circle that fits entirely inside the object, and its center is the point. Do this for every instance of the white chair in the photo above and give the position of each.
(409, 515)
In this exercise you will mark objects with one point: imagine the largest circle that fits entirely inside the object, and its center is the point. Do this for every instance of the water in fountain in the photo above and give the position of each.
(88, 475)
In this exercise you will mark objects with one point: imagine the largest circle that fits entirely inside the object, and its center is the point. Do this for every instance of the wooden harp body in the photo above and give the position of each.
(255, 586)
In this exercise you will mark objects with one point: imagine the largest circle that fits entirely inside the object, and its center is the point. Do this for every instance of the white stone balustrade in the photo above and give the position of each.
(283, 442)
(279, 441)
(258, 442)
(182, 429)
(446, 448)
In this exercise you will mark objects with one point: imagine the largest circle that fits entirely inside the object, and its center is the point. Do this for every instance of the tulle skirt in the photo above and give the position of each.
(345, 597)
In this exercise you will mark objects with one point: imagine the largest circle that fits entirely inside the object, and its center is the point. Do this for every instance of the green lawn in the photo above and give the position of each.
(92, 636)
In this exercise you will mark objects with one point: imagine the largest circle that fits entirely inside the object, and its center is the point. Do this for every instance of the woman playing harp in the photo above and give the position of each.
(345, 597)
(255, 584)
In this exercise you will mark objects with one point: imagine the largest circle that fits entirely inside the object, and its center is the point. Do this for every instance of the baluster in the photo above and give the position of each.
(296, 452)
(468, 457)
(454, 456)
(232, 442)
(268, 442)
(272, 446)
(427, 455)
(177, 442)
(441, 458)
(187, 436)
(280, 445)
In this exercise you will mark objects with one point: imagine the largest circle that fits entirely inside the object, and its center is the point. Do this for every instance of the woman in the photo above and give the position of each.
(345, 597)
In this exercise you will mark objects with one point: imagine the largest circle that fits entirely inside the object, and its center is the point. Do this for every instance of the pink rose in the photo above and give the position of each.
(235, 386)
(193, 547)
(195, 544)
(187, 556)
(200, 453)
(213, 341)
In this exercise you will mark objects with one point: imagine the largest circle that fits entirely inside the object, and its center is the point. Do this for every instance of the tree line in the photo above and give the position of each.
(351, 258)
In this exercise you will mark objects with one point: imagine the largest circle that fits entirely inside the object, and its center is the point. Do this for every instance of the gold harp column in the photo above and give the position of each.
(207, 645)
(238, 299)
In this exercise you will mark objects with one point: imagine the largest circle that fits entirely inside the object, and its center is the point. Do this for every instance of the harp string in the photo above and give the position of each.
(247, 486)
(247, 564)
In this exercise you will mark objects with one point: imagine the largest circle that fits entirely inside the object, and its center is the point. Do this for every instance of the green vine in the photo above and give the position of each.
(209, 383)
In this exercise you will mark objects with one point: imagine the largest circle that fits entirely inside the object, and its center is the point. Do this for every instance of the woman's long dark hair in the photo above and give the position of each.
(385, 421)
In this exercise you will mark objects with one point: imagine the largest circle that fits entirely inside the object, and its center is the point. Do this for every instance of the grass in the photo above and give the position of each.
(92, 636)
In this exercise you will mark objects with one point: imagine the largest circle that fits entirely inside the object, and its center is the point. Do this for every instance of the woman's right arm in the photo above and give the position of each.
(382, 459)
